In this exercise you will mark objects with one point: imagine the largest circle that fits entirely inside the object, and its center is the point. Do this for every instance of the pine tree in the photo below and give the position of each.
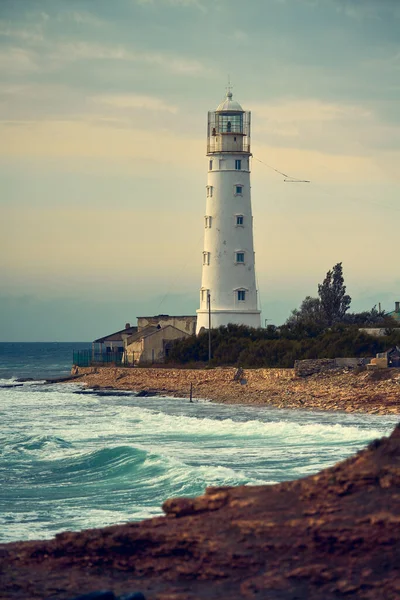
(332, 293)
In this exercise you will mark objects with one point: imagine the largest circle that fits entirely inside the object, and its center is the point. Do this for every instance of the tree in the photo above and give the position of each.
(309, 313)
(332, 294)
(368, 318)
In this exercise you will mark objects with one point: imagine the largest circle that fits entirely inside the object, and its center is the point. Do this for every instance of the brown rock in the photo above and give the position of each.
(332, 535)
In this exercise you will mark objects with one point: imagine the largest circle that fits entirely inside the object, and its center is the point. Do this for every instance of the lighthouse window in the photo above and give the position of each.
(238, 190)
(240, 257)
(210, 190)
(211, 165)
(239, 220)
(241, 295)
(204, 295)
(238, 165)
(208, 222)
(206, 258)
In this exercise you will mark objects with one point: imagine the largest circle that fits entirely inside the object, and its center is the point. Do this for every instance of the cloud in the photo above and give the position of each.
(175, 3)
(301, 111)
(76, 51)
(239, 36)
(73, 139)
(14, 60)
(134, 101)
(355, 9)
(33, 34)
(327, 127)
(316, 165)
(52, 57)
(81, 18)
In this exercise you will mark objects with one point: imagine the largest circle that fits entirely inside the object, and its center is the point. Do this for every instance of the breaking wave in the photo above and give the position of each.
(70, 461)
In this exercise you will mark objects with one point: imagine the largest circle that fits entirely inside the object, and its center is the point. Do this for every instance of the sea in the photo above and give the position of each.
(72, 458)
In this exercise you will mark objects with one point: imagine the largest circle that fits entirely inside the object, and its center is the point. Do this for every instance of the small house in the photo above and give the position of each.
(114, 342)
(395, 314)
(148, 342)
(151, 344)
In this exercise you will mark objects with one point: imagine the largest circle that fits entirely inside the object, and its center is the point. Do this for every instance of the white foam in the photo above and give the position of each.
(161, 423)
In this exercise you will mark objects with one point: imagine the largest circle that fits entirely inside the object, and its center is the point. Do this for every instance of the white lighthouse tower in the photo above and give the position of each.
(228, 289)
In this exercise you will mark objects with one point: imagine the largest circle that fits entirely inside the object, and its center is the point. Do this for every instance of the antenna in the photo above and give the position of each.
(229, 87)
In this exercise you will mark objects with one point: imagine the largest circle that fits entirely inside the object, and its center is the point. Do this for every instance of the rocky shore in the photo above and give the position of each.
(342, 390)
(329, 536)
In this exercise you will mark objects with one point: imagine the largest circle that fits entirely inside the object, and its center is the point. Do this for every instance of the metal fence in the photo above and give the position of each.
(89, 358)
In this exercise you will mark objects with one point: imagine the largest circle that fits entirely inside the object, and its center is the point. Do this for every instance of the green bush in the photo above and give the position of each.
(278, 347)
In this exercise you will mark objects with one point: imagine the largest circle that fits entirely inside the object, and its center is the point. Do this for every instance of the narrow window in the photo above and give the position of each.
(240, 257)
(206, 258)
(208, 221)
(239, 220)
(238, 165)
(204, 295)
(241, 295)
(238, 190)
(211, 165)
(210, 191)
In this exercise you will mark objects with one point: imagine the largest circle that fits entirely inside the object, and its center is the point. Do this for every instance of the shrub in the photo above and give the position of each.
(236, 345)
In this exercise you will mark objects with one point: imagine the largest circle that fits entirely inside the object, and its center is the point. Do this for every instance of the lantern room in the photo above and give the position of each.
(228, 128)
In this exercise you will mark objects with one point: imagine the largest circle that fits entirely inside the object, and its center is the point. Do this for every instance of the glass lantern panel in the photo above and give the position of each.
(230, 123)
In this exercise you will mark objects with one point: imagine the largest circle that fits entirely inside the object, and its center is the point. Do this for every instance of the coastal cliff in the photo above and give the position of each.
(345, 390)
(332, 535)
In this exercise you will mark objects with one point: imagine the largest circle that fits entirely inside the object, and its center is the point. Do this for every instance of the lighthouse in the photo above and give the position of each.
(228, 291)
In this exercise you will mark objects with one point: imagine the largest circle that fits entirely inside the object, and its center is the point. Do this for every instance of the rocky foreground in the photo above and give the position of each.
(329, 536)
(346, 390)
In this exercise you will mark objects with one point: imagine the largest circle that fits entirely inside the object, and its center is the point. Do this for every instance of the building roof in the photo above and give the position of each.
(117, 336)
(395, 315)
(170, 317)
(143, 333)
(151, 330)
(229, 105)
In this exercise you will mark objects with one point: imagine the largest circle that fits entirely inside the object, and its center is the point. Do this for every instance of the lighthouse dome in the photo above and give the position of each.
(229, 105)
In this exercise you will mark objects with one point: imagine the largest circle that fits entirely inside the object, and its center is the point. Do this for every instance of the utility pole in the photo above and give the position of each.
(209, 326)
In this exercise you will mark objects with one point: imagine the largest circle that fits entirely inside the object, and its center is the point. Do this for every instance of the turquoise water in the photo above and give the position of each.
(71, 460)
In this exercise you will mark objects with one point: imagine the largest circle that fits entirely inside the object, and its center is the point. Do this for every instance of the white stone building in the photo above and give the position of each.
(228, 289)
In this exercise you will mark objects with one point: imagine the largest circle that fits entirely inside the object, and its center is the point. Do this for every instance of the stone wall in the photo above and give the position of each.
(304, 368)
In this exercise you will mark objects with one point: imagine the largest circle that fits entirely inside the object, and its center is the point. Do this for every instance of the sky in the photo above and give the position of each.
(103, 109)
